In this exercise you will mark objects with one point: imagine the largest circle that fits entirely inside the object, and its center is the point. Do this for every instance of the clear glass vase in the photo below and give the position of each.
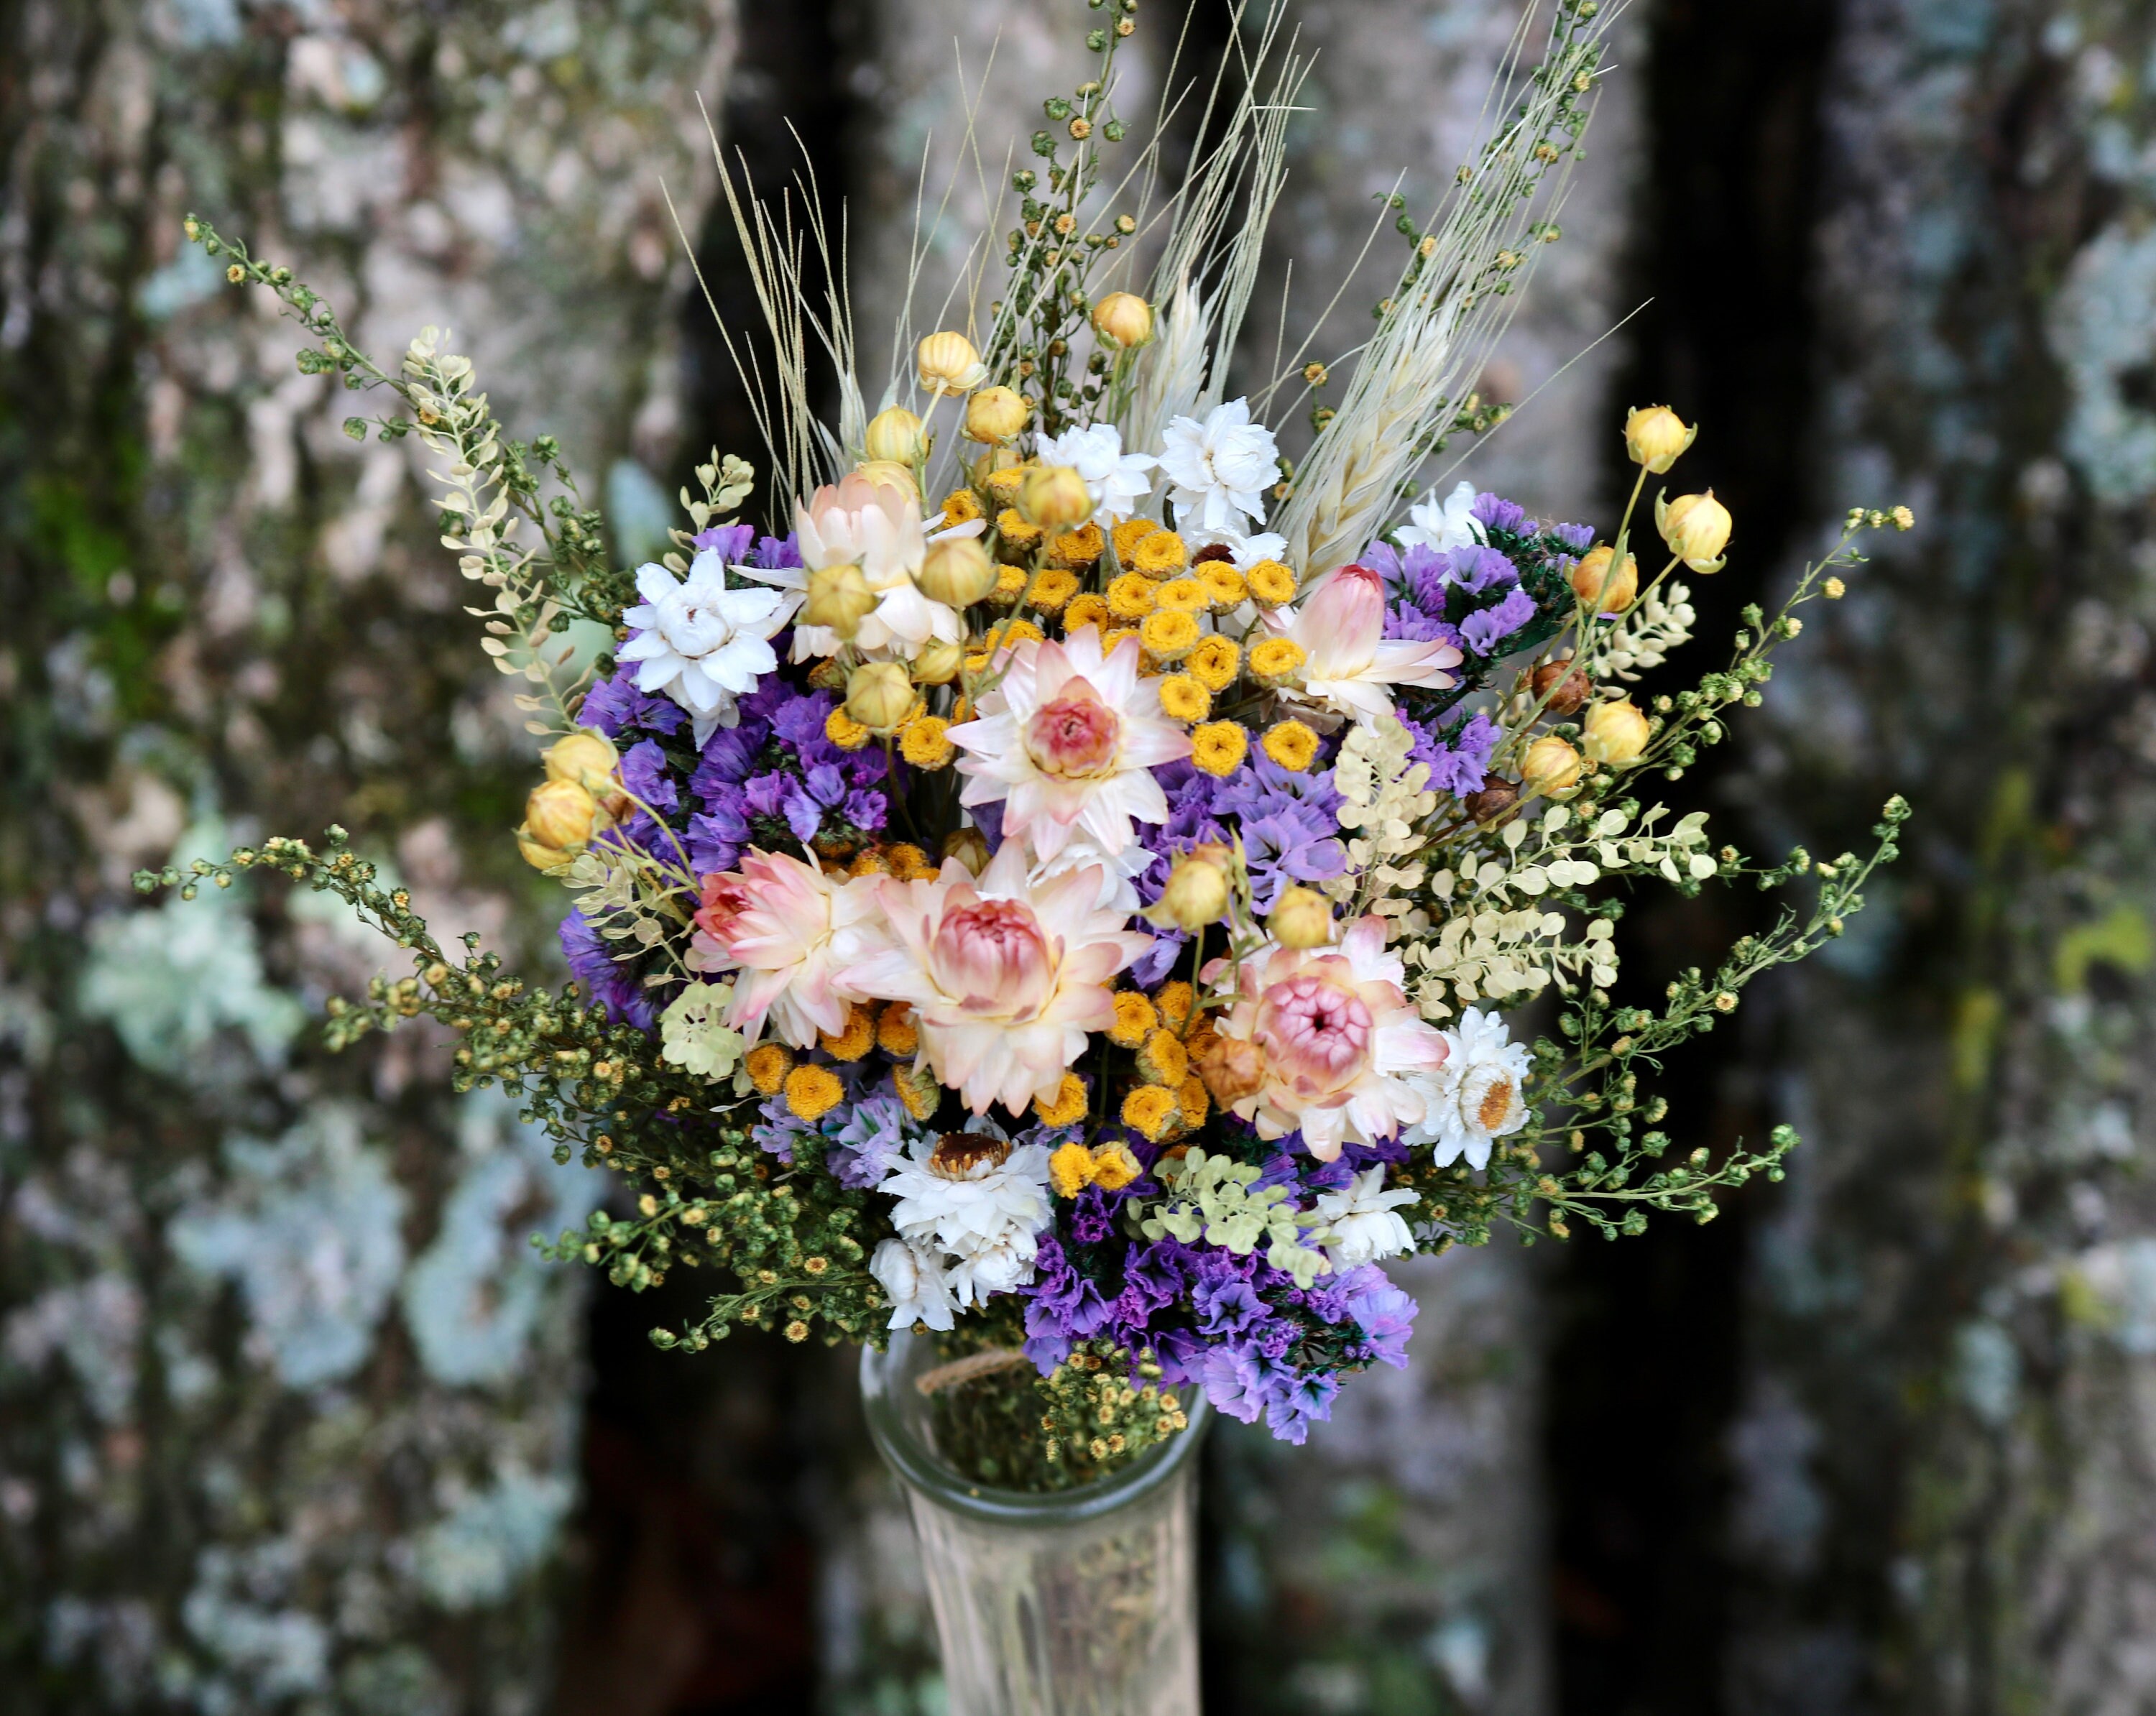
(1079, 1603)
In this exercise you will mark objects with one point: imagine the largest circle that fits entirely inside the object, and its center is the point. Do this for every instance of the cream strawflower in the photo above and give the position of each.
(877, 528)
(790, 928)
(1117, 480)
(1350, 662)
(701, 643)
(983, 1205)
(1336, 1039)
(1476, 1096)
(1365, 1225)
(1220, 468)
(912, 1277)
(1005, 978)
(1068, 740)
(1443, 524)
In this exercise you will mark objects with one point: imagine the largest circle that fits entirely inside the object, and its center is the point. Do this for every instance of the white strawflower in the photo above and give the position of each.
(913, 1281)
(1220, 468)
(1476, 1096)
(1365, 1230)
(1117, 480)
(701, 643)
(1443, 525)
(988, 1216)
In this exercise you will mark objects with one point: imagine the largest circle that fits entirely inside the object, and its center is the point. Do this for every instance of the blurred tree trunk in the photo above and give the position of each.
(1947, 1457)
(288, 1408)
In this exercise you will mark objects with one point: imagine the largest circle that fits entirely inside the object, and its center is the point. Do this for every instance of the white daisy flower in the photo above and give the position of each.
(913, 1280)
(1476, 1096)
(973, 1197)
(1220, 468)
(1443, 525)
(1117, 480)
(701, 643)
(1365, 1228)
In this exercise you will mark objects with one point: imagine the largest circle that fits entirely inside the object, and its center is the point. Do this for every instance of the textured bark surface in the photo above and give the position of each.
(1948, 1495)
(288, 1411)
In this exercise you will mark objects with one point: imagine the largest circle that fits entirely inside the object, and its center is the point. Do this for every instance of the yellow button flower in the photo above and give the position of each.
(1053, 589)
(1185, 595)
(1225, 586)
(922, 743)
(962, 507)
(1167, 635)
(1275, 662)
(1215, 663)
(767, 1065)
(1127, 535)
(1130, 597)
(1183, 698)
(855, 1041)
(1159, 555)
(842, 730)
(1135, 1019)
(1083, 611)
(1270, 583)
(1080, 549)
(1150, 1112)
(1068, 1107)
(1218, 747)
(1015, 536)
(1291, 745)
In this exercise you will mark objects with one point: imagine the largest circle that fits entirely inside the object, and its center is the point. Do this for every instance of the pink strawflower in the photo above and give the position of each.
(1341, 626)
(790, 929)
(1334, 1037)
(1067, 739)
(1005, 978)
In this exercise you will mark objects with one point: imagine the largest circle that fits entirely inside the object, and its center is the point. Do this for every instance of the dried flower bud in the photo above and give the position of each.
(879, 695)
(1302, 917)
(1055, 497)
(1615, 732)
(895, 434)
(1552, 765)
(890, 474)
(997, 415)
(1493, 802)
(1656, 436)
(560, 816)
(1231, 1068)
(1123, 319)
(838, 598)
(1696, 527)
(1196, 891)
(947, 363)
(1606, 588)
(969, 846)
(1563, 684)
(587, 757)
(957, 572)
(938, 662)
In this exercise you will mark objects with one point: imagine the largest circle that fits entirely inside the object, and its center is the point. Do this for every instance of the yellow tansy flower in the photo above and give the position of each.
(1192, 1101)
(842, 730)
(1114, 1167)
(922, 743)
(1215, 663)
(1291, 745)
(1083, 611)
(1069, 1107)
(1218, 747)
(1168, 636)
(1173, 1000)
(812, 1091)
(1114, 635)
(1010, 585)
(1078, 549)
(1149, 1111)
(1127, 535)
(1186, 595)
(869, 861)
(1181, 698)
(1002, 485)
(1015, 536)
(1071, 1169)
(898, 1034)
(907, 861)
(962, 507)
(1009, 634)
(1052, 589)
(767, 1065)
(855, 1041)
(1225, 586)
(1159, 555)
(1135, 1019)
(1276, 661)
(1130, 597)
(1270, 583)
(1161, 1061)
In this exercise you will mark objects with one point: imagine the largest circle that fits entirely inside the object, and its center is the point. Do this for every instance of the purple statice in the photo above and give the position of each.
(776, 777)
(773, 553)
(1407, 623)
(618, 709)
(1385, 1313)
(1487, 628)
(1577, 538)
(731, 541)
(613, 985)
(1458, 761)
(868, 1134)
(1493, 513)
(1476, 570)
(1063, 1306)
(645, 772)
(1290, 824)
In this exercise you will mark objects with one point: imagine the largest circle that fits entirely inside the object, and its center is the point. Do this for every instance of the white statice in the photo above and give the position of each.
(1443, 525)
(912, 1279)
(1476, 1096)
(1220, 468)
(985, 1220)
(700, 643)
(1364, 1221)
(1118, 481)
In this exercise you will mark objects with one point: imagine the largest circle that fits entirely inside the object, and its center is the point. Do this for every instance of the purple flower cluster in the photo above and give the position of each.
(615, 986)
(1459, 760)
(774, 777)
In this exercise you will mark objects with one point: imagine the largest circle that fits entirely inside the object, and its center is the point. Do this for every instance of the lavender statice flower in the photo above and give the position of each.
(730, 540)
(1459, 762)
(1493, 513)
(613, 985)
(1476, 570)
(1577, 538)
(618, 709)
(1485, 629)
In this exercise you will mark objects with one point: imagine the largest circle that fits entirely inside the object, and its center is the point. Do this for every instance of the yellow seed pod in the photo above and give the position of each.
(560, 815)
(996, 416)
(938, 662)
(1696, 527)
(1055, 497)
(890, 474)
(879, 695)
(1615, 733)
(1655, 435)
(948, 363)
(896, 434)
(839, 598)
(1605, 587)
(957, 572)
(1302, 917)
(1123, 321)
(587, 757)
(1551, 765)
